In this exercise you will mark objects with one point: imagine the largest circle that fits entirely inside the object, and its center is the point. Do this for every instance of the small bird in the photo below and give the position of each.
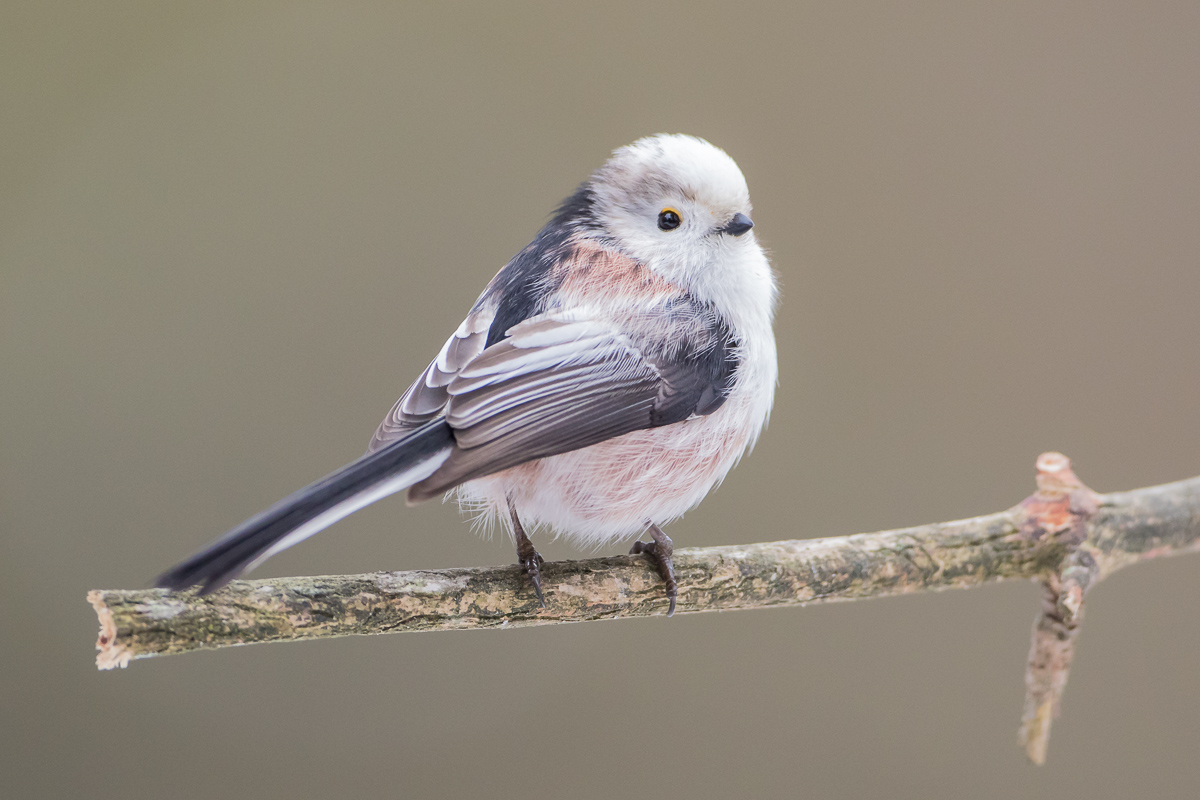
(608, 377)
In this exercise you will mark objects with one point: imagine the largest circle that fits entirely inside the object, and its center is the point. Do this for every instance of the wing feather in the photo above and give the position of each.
(558, 384)
(427, 397)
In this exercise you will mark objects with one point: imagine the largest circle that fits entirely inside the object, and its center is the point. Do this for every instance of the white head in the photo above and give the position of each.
(680, 205)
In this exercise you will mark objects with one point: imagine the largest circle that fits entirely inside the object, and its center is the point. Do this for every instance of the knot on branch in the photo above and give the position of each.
(1059, 511)
(1060, 508)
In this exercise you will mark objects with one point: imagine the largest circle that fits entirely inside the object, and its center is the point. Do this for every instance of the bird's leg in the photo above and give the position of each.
(529, 559)
(660, 551)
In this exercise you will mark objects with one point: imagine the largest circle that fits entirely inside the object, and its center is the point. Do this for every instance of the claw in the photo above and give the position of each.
(660, 551)
(533, 568)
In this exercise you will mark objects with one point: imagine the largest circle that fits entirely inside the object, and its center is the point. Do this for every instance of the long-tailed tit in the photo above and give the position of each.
(607, 378)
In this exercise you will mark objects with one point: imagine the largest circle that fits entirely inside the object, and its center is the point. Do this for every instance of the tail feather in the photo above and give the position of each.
(314, 508)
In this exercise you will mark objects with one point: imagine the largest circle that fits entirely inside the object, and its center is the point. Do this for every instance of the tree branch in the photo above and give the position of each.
(1064, 535)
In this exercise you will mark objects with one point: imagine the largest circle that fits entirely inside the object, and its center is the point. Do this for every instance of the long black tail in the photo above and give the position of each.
(314, 508)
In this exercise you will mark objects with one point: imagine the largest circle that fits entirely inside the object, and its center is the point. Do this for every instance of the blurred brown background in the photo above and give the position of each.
(230, 235)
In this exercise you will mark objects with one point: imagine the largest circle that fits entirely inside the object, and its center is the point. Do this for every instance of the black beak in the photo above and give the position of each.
(738, 225)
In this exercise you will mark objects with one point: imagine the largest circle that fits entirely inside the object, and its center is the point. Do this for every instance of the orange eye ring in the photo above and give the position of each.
(669, 219)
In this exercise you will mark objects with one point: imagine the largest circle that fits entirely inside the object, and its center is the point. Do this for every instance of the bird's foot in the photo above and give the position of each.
(659, 551)
(530, 560)
(531, 563)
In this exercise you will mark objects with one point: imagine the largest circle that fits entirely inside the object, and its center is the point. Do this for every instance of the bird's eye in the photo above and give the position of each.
(669, 219)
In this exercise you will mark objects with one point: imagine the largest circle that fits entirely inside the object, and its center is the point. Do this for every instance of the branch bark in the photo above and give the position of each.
(1064, 535)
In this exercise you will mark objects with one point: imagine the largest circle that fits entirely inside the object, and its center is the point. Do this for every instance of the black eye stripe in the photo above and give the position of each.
(669, 219)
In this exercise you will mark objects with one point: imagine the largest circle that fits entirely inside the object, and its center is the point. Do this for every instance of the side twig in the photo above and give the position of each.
(1065, 536)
